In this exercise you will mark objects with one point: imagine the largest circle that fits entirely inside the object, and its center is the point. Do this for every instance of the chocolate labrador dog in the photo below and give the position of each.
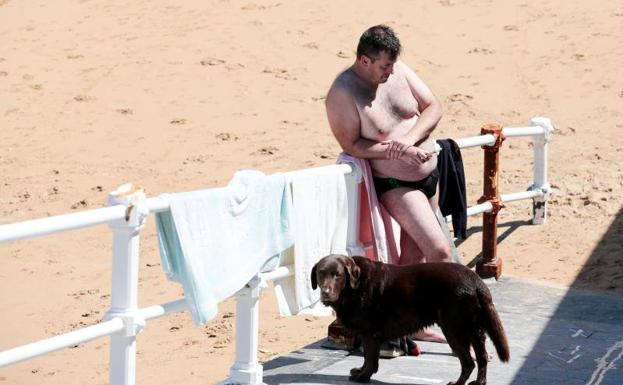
(379, 302)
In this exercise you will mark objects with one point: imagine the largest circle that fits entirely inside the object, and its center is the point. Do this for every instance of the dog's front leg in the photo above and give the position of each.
(371, 350)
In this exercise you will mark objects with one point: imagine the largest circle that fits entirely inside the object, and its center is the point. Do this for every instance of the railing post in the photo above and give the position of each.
(491, 265)
(353, 195)
(124, 295)
(247, 369)
(540, 183)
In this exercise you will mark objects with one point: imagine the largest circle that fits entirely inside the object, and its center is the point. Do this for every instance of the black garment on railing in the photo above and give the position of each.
(452, 195)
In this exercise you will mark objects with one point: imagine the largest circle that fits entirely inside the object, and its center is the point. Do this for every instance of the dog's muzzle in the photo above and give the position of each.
(326, 297)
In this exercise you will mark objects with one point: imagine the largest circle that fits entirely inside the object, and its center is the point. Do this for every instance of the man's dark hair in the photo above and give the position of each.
(377, 39)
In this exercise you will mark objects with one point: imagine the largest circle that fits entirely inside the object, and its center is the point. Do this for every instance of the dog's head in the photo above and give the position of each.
(332, 273)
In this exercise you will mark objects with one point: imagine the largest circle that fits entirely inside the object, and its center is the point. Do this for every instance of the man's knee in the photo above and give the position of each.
(440, 253)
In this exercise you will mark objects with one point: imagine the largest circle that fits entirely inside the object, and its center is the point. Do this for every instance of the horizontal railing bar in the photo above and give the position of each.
(178, 305)
(479, 208)
(62, 341)
(280, 272)
(59, 223)
(487, 206)
(510, 132)
(158, 204)
(475, 141)
(156, 311)
(521, 195)
(489, 139)
(344, 168)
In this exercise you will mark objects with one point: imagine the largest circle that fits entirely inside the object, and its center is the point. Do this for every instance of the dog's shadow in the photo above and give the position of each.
(318, 379)
(428, 353)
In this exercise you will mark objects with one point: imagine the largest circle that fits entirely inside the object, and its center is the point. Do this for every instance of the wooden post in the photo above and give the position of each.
(491, 264)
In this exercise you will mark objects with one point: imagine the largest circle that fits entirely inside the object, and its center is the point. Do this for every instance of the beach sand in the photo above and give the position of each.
(177, 96)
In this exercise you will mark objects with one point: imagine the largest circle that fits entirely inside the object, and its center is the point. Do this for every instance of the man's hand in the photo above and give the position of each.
(395, 150)
(412, 155)
(415, 156)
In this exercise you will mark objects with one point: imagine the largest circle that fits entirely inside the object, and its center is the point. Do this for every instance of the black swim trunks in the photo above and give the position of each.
(427, 185)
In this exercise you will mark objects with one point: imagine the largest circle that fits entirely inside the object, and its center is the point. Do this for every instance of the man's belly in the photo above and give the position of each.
(398, 169)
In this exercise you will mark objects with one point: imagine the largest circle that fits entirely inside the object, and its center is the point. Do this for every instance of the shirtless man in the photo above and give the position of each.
(380, 110)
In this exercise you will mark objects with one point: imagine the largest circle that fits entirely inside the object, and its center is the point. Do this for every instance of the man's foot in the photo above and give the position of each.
(391, 349)
(429, 335)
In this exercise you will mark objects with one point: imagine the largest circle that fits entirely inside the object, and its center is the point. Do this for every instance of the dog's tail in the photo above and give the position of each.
(494, 328)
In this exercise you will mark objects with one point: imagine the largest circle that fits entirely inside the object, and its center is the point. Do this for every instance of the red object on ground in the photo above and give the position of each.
(415, 351)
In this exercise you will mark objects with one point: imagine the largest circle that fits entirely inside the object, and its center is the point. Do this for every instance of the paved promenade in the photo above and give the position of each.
(556, 336)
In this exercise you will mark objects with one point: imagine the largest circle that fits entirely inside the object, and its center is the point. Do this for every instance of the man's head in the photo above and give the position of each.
(378, 39)
(377, 51)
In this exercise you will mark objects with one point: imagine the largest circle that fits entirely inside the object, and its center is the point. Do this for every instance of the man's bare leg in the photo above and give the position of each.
(409, 252)
(415, 214)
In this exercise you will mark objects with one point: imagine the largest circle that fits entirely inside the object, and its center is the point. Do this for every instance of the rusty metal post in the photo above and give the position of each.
(491, 264)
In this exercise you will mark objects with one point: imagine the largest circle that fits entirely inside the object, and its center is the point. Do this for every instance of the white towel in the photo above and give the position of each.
(320, 221)
(214, 241)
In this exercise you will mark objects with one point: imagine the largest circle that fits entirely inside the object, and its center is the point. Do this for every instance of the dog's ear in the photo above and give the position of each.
(314, 283)
(353, 271)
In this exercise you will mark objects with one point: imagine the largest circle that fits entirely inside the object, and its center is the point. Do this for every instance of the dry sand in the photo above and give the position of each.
(177, 96)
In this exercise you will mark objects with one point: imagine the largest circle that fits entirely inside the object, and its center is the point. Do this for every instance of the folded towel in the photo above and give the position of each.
(214, 241)
(320, 216)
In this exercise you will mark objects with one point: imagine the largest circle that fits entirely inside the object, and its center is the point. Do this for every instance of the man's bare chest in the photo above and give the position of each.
(387, 110)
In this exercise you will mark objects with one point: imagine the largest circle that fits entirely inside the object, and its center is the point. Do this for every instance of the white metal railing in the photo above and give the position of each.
(126, 215)
(540, 130)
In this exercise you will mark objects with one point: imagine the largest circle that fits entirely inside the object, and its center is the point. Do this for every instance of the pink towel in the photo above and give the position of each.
(378, 231)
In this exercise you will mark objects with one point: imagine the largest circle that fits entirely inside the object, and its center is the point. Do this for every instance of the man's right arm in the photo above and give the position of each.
(346, 126)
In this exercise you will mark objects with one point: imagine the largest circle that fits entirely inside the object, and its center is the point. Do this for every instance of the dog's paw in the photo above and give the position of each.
(359, 375)
(355, 371)
(477, 383)
(359, 378)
